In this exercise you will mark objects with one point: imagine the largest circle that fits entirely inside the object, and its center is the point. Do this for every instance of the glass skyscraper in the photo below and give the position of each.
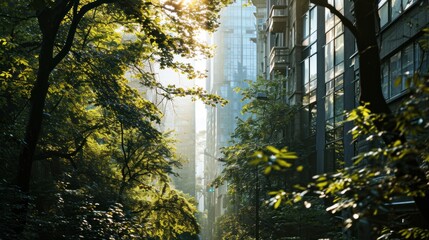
(233, 63)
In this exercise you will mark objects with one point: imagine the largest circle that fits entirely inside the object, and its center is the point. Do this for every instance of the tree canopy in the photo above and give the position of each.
(82, 154)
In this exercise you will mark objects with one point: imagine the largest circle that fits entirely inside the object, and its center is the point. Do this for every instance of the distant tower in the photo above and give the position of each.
(234, 62)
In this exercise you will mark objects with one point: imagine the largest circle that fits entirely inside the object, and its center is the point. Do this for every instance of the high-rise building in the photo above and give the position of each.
(311, 48)
(317, 55)
(233, 63)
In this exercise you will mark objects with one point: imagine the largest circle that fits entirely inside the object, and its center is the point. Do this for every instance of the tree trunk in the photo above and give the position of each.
(34, 125)
(366, 16)
(369, 58)
(35, 118)
(49, 20)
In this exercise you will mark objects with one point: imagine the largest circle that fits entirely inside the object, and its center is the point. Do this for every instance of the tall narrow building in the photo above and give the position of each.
(233, 63)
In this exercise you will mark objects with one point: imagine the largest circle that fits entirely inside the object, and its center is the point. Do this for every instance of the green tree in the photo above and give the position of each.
(89, 163)
(66, 103)
(59, 22)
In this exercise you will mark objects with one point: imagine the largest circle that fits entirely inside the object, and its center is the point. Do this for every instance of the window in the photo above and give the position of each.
(313, 25)
(395, 74)
(396, 8)
(329, 106)
(279, 40)
(309, 74)
(313, 117)
(407, 63)
(334, 78)
(309, 68)
(310, 115)
(339, 5)
(356, 87)
(407, 3)
(309, 31)
(334, 102)
(329, 55)
(385, 80)
(339, 49)
(334, 155)
(334, 48)
(329, 20)
(389, 10)
(250, 31)
(402, 65)
(421, 57)
(383, 12)
(306, 74)
(339, 107)
(313, 68)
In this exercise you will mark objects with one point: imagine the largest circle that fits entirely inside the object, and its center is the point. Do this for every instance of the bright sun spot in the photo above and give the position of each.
(187, 2)
(120, 29)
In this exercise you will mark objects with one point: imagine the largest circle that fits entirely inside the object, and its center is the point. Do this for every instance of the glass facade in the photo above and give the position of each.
(401, 66)
(237, 55)
(234, 61)
(397, 68)
(389, 10)
(334, 89)
(309, 70)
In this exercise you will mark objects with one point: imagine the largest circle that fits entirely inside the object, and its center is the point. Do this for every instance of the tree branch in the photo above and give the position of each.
(69, 156)
(77, 17)
(124, 153)
(349, 24)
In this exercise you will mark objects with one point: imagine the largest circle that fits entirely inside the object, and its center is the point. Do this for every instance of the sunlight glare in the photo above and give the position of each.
(120, 29)
(186, 2)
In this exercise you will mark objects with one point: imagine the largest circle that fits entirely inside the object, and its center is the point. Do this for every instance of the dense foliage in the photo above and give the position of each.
(81, 154)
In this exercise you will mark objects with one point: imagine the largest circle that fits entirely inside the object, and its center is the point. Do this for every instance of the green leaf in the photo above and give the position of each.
(277, 204)
(297, 198)
(273, 149)
(267, 170)
(283, 163)
(254, 161)
(320, 185)
(397, 143)
(288, 155)
(299, 187)
(276, 167)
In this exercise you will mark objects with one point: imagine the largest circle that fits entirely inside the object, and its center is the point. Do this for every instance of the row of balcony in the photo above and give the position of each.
(278, 18)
